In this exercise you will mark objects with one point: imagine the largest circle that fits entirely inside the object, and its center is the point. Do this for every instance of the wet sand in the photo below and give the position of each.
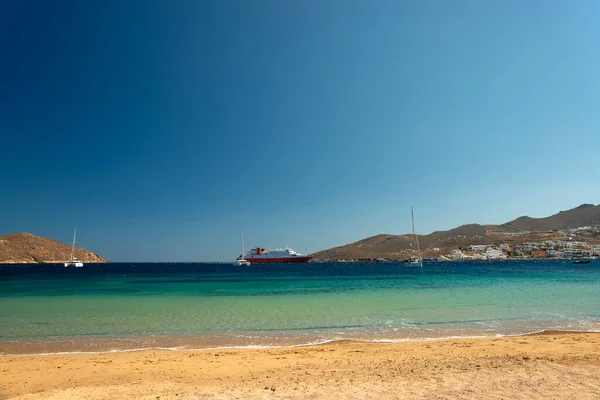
(551, 365)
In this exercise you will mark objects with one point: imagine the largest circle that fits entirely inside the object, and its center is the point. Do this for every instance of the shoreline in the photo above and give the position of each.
(317, 342)
(549, 364)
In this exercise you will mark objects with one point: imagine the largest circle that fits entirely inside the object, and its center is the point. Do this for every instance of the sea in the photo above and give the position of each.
(48, 308)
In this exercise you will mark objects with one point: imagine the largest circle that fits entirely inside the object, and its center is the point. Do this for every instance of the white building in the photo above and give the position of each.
(530, 247)
(579, 245)
(493, 254)
(568, 253)
(477, 247)
(551, 253)
(457, 255)
(504, 247)
(577, 253)
(547, 245)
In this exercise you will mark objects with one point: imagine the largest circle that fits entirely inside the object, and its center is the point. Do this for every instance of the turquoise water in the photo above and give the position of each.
(125, 306)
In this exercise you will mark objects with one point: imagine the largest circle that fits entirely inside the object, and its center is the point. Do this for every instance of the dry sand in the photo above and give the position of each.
(551, 365)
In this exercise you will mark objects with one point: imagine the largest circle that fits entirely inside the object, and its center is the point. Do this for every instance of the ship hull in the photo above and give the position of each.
(277, 260)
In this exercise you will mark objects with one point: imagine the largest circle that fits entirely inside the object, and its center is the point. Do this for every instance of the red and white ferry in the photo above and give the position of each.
(285, 255)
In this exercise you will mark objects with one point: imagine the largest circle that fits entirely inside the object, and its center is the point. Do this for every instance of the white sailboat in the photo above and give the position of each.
(241, 261)
(415, 262)
(73, 262)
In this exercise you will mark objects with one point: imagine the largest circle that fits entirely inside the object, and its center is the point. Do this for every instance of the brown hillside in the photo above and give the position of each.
(28, 248)
(401, 247)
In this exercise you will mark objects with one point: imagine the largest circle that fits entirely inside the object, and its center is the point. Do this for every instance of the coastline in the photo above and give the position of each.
(90, 344)
(540, 365)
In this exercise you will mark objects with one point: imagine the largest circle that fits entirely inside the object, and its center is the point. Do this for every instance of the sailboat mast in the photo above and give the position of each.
(412, 214)
(242, 243)
(73, 246)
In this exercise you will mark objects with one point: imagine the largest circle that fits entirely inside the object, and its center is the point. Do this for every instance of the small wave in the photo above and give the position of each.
(308, 344)
(92, 352)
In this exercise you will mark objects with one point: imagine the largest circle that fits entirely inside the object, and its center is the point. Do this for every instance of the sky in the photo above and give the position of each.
(162, 129)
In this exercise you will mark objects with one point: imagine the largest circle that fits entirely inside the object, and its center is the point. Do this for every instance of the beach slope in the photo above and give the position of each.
(550, 365)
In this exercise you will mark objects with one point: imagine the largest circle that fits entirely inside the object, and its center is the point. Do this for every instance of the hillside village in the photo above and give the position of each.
(566, 248)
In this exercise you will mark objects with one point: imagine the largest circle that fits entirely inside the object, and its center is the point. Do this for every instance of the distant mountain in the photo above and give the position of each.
(584, 215)
(17, 248)
(439, 242)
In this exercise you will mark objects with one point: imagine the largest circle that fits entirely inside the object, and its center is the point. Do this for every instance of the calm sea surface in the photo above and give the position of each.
(49, 308)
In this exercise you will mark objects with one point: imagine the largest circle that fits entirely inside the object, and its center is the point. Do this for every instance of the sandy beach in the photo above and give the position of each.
(551, 365)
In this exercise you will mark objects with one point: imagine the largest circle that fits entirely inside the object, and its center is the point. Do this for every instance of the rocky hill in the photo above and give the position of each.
(17, 248)
(518, 231)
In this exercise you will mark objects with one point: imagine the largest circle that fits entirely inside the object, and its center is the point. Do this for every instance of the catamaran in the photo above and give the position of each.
(415, 262)
(73, 262)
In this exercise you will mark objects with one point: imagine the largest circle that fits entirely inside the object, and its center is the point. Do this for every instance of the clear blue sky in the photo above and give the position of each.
(161, 128)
